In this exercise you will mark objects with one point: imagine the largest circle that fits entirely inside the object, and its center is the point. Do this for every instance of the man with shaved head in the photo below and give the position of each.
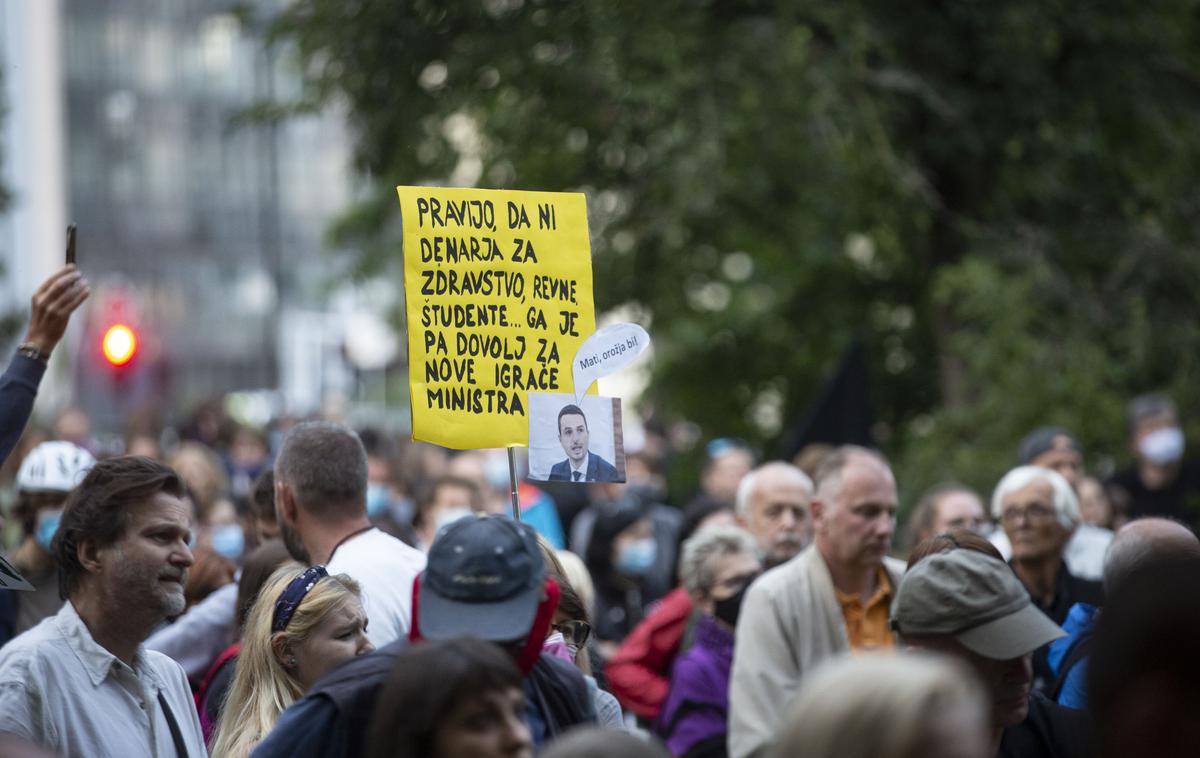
(833, 597)
(1141, 543)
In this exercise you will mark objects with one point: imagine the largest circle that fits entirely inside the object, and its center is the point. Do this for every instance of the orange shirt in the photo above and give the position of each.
(867, 623)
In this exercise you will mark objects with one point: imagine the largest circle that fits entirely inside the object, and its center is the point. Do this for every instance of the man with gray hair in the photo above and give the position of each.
(321, 502)
(1161, 482)
(1138, 544)
(833, 597)
(772, 504)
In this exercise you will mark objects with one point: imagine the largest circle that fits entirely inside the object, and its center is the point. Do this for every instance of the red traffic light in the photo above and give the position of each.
(119, 345)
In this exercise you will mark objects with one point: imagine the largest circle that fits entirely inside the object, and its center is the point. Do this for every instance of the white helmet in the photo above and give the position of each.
(54, 467)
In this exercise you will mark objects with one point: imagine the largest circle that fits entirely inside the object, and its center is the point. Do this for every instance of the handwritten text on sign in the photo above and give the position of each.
(498, 290)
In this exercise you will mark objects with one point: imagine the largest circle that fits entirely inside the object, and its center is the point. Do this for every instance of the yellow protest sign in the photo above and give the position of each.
(498, 291)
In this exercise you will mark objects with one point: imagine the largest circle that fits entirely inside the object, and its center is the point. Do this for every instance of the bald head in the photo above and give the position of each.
(1146, 541)
(854, 510)
(832, 472)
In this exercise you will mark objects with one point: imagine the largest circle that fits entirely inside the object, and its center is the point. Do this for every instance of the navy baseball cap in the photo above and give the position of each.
(483, 579)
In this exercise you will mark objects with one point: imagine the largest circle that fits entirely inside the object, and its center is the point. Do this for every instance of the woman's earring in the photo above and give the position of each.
(291, 662)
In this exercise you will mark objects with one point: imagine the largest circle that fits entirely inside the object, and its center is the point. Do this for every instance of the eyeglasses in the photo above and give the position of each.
(1036, 514)
(575, 632)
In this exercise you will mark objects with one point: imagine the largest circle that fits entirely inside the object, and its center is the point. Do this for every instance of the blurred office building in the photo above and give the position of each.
(201, 229)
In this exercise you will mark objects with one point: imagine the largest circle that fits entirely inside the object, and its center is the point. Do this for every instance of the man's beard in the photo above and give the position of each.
(293, 543)
(170, 598)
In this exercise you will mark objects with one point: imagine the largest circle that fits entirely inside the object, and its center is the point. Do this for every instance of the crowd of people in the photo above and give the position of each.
(310, 589)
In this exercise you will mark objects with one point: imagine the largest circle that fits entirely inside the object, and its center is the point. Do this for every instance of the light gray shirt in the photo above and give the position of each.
(61, 689)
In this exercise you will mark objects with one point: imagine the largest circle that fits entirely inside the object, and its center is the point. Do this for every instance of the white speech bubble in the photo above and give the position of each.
(605, 352)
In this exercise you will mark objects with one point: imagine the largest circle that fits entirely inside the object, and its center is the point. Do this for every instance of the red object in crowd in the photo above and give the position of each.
(119, 344)
(528, 653)
(639, 672)
(207, 725)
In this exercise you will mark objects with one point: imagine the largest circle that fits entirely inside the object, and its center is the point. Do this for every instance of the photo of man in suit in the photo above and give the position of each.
(581, 464)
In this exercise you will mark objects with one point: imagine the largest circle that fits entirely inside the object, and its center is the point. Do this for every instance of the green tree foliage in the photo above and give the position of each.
(999, 197)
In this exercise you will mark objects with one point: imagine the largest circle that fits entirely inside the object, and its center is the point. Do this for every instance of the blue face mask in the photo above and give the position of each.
(47, 525)
(378, 500)
(637, 558)
(229, 541)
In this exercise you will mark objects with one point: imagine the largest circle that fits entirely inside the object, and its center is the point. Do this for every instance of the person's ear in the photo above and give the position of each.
(818, 510)
(87, 552)
(282, 650)
(285, 503)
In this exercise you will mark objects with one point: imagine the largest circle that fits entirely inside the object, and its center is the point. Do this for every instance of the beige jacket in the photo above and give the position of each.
(790, 620)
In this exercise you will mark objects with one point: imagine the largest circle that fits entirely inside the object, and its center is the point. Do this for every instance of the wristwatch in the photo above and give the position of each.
(30, 350)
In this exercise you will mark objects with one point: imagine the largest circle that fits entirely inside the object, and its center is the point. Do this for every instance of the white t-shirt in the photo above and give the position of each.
(386, 568)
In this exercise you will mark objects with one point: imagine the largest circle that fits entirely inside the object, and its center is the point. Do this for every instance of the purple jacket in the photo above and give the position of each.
(695, 715)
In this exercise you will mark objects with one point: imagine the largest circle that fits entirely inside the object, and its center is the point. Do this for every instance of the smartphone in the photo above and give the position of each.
(71, 244)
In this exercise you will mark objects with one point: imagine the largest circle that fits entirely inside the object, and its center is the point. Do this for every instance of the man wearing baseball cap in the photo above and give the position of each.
(486, 579)
(970, 605)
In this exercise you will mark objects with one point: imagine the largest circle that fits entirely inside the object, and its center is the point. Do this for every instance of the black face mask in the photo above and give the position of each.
(728, 609)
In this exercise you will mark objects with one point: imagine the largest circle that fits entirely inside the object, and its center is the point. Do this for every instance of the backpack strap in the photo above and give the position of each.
(173, 725)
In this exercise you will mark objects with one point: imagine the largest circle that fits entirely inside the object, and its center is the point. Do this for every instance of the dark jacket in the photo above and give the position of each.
(695, 715)
(1179, 499)
(18, 388)
(1049, 731)
(1068, 590)
(598, 470)
(559, 695)
(332, 720)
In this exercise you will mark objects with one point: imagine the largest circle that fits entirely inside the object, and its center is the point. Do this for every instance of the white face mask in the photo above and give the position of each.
(449, 516)
(1162, 446)
(495, 470)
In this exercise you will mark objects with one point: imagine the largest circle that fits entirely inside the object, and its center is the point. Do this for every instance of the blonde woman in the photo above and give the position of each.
(884, 705)
(303, 624)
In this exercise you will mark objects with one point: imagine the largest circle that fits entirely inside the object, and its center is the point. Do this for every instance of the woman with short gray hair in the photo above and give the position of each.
(717, 567)
(1038, 511)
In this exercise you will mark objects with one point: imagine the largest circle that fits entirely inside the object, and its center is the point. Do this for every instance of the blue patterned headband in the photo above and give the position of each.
(290, 600)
